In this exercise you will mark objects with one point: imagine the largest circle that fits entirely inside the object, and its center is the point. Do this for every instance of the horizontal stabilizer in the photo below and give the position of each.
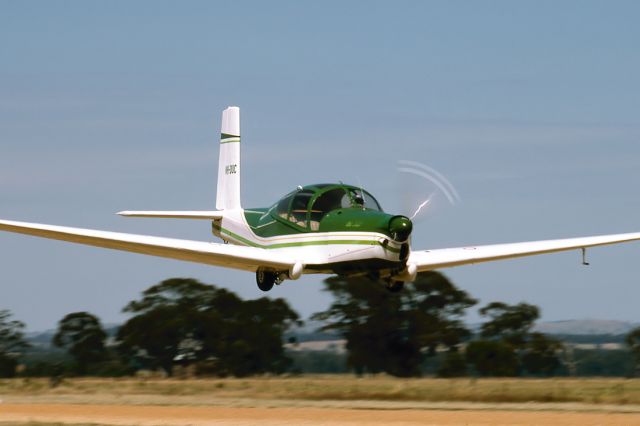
(213, 214)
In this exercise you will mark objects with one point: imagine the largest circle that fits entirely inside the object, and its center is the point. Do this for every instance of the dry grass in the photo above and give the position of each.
(342, 388)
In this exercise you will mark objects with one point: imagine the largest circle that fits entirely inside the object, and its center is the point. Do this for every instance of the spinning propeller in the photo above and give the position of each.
(420, 187)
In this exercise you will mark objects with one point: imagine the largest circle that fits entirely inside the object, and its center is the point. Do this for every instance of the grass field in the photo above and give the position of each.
(336, 388)
(319, 400)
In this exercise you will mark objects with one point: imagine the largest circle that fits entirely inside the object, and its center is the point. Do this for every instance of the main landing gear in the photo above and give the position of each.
(266, 279)
(393, 286)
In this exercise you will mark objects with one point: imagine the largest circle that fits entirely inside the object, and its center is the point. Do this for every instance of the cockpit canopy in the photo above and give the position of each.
(305, 207)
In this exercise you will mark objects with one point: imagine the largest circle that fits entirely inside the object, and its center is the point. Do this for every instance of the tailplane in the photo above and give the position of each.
(228, 197)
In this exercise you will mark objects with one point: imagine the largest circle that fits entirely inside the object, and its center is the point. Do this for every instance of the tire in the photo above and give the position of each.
(265, 279)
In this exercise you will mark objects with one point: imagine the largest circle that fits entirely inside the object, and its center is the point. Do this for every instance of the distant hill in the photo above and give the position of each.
(585, 327)
(40, 339)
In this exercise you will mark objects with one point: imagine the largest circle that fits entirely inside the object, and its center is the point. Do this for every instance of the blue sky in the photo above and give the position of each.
(531, 109)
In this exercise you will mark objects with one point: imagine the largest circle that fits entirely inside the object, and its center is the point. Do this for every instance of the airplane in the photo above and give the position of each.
(328, 228)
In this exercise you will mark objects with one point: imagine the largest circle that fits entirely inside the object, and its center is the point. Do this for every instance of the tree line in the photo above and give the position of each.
(183, 323)
(396, 333)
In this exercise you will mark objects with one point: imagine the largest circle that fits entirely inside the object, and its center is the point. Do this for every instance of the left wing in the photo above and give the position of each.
(426, 260)
(230, 256)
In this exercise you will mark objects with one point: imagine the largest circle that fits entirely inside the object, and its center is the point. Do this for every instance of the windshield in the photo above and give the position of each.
(298, 214)
(294, 206)
(282, 208)
(361, 198)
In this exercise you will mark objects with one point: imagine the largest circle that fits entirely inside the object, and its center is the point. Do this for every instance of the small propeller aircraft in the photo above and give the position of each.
(329, 228)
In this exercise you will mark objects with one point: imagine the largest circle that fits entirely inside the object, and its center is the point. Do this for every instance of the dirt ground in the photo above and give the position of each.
(16, 414)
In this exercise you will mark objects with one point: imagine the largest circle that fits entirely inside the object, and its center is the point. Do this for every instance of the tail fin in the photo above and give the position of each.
(228, 196)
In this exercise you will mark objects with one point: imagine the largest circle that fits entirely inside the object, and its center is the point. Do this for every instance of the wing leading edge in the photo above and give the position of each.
(230, 256)
(426, 260)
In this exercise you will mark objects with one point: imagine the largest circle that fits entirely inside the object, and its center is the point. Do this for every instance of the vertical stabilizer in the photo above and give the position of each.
(228, 196)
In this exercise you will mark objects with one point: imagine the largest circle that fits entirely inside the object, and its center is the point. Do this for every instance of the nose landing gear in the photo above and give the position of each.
(395, 286)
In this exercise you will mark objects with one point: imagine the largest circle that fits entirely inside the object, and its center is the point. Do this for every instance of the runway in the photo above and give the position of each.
(199, 416)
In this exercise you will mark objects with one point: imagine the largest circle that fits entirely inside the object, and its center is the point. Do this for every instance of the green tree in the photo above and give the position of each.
(492, 358)
(540, 355)
(12, 343)
(250, 340)
(394, 332)
(82, 335)
(183, 321)
(633, 341)
(453, 365)
(166, 326)
(511, 325)
(603, 363)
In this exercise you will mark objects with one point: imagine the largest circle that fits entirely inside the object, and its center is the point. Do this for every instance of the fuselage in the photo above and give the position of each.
(335, 228)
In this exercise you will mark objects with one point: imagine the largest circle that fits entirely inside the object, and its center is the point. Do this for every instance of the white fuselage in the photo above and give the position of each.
(317, 250)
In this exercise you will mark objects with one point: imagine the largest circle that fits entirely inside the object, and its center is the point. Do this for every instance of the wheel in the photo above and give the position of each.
(395, 286)
(265, 279)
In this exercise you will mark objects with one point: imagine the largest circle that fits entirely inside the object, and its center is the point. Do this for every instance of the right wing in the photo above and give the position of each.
(427, 260)
(226, 255)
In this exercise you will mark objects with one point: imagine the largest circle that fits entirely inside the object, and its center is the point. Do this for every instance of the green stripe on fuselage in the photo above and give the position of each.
(303, 243)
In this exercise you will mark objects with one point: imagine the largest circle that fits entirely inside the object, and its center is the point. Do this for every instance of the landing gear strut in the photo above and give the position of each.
(266, 279)
(395, 286)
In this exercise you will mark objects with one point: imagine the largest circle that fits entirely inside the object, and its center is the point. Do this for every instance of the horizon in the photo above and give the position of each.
(34, 333)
